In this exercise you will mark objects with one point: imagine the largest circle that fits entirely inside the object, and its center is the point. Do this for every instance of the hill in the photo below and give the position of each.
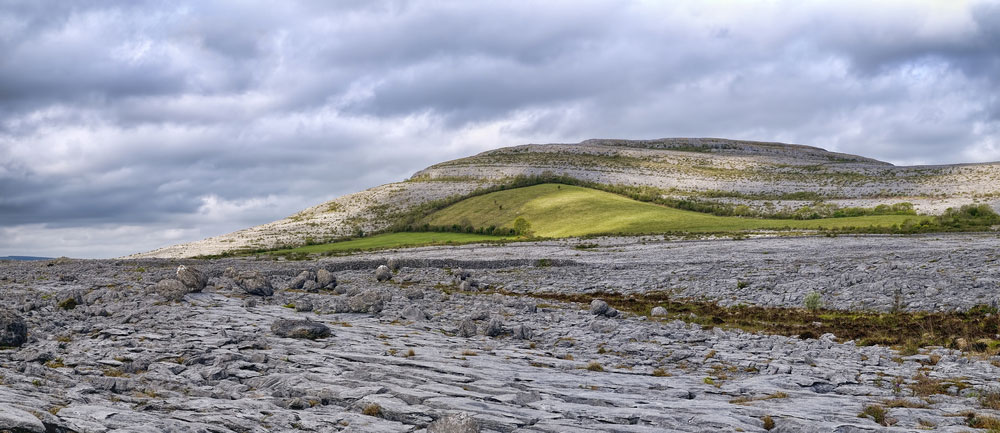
(757, 178)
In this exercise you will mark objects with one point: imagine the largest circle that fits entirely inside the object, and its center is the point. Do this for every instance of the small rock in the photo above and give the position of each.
(369, 301)
(523, 333)
(382, 273)
(300, 329)
(611, 312)
(413, 313)
(494, 328)
(13, 330)
(479, 315)
(325, 279)
(598, 307)
(303, 305)
(173, 290)
(466, 328)
(414, 294)
(658, 312)
(192, 278)
(16, 420)
(253, 283)
(300, 281)
(393, 264)
(454, 423)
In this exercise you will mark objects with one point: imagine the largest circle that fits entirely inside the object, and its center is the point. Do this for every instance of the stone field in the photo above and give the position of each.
(450, 339)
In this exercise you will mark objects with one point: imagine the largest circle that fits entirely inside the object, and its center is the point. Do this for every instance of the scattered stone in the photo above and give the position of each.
(254, 283)
(598, 307)
(462, 274)
(382, 273)
(192, 278)
(414, 313)
(368, 301)
(658, 312)
(325, 279)
(522, 332)
(173, 290)
(300, 281)
(13, 330)
(16, 420)
(494, 328)
(466, 328)
(300, 329)
(454, 423)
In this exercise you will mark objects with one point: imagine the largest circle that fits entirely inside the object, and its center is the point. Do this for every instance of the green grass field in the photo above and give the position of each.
(393, 240)
(564, 211)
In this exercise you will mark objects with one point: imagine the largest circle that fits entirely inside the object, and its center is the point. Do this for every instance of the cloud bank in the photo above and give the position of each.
(130, 125)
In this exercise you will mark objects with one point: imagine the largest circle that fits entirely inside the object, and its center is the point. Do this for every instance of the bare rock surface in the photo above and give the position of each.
(216, 361)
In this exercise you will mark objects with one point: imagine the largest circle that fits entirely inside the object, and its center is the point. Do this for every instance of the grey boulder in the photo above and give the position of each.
(466, 328)
(454, 423)
(253, 283)
(171, 289)
(300, 281)
(413, 313)
(16, 420)
(300, 329)
(325, 279)
(658, 312)
(368, 301)
(192, 278)
(13, 330)
(382, 273)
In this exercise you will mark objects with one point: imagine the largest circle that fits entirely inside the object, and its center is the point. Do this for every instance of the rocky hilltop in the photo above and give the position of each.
(756, 174)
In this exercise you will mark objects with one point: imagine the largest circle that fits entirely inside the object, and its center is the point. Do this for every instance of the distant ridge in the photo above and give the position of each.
(25, 258)
(756, 176)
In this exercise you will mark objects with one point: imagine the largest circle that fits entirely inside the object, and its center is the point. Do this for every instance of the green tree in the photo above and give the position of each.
(522, 227)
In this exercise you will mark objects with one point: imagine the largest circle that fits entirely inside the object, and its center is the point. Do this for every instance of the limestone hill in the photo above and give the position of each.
(755, 177)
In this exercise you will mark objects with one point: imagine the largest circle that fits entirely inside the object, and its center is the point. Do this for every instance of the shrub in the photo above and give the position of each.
(813, 302)
(876, 413)
(372, 410)
(768, 422)
(595, 366)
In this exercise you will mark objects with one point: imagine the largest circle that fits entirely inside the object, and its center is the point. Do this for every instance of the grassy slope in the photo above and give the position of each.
(563, 210)
(393, 240)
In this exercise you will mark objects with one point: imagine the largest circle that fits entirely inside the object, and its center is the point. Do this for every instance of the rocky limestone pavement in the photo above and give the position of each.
(216, 360)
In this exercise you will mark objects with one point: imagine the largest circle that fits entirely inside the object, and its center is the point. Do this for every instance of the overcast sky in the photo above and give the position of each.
(130, 125)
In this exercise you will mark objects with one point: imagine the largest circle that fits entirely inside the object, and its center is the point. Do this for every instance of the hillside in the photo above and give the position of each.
(763, 177)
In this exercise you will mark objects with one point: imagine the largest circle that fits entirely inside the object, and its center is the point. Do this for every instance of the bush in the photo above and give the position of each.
(813, 302)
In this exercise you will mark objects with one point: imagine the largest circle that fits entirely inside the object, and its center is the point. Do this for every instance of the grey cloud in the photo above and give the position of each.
(192, 119)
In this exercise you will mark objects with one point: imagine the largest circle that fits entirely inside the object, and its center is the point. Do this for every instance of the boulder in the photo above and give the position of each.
(300, 329)
(303, 305)
(522, 332)
(454, 423)
(466, 328)
(253, 283)
(598, 307)
(325, 279)
(192, 278)
(414, 293)
(173, 290)
(368, 301)
(393, 264)
(382, 273)
(13, 330)
(414, 313)
(658, 312)
(300, 281)
(494, 328)
(13, 419)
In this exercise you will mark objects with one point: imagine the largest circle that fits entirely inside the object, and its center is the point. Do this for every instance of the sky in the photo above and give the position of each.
(130, 125)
